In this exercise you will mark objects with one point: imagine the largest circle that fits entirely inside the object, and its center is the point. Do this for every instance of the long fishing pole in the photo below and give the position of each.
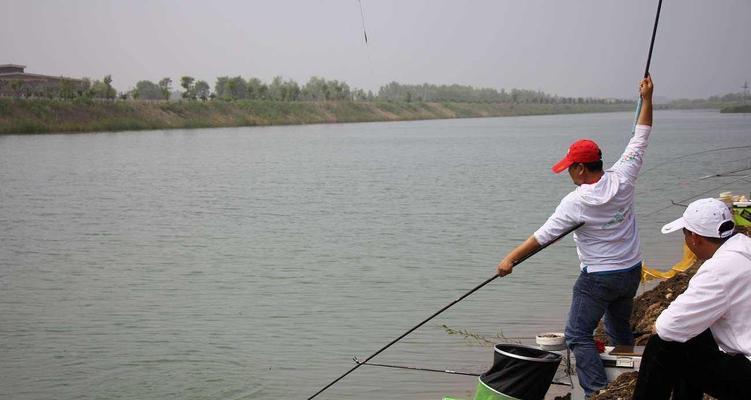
(649, 61)
(652, 43)
(476, 288)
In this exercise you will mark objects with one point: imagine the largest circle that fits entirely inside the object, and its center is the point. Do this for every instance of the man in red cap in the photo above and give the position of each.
(607, 243)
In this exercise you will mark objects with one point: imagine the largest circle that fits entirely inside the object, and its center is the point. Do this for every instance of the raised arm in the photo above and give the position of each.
(629, 164)
(645, 90)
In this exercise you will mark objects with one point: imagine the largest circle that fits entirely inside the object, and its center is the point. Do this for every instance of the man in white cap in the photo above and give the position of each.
(703, 340)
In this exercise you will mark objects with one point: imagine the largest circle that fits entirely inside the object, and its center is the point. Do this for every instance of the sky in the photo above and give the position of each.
(572, 48)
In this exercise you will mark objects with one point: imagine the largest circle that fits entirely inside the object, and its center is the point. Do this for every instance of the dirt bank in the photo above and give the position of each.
(43, 115)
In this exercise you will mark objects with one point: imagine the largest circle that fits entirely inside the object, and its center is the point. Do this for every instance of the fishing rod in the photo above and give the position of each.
(652, 43)
(649, 61)
(476, 288)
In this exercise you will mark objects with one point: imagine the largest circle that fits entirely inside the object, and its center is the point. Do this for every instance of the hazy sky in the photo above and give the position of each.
(571, 48)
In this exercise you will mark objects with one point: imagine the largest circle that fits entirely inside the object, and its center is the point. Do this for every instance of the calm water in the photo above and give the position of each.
(253, 263)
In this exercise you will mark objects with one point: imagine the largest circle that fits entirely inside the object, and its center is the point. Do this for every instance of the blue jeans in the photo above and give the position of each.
(596, 294)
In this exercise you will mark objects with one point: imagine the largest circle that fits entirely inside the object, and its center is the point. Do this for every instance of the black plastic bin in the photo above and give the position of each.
(518, 372)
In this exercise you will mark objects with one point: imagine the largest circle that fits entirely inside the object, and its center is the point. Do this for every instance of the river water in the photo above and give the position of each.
(253, 263)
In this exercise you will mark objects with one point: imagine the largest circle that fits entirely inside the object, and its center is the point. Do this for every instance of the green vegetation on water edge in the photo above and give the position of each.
(742, 108)
(86, 115)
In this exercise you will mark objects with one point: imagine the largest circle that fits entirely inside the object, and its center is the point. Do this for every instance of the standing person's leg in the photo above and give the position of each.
(618, 315)
(586, 310)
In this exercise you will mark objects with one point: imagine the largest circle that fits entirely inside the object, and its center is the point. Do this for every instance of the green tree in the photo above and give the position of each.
(110, 92)
(165, 85)
(202, 90)
(280, 90)
(100, 90)
(231, 88)
(291, 90)
(84, 87)
(237, 88)
(147, 90)
(276, 89)
(187, 83)
(67, 89)
(221, 89)
(256, 89)
(316, 89)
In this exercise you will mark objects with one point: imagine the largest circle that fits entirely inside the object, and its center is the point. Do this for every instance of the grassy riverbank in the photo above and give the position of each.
(742, 108)
(46, 116)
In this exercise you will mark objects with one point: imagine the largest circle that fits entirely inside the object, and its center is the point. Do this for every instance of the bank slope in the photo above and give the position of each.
(46, 116)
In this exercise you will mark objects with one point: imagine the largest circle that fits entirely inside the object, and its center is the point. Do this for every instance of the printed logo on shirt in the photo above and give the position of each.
(630, 157)
(619, 217)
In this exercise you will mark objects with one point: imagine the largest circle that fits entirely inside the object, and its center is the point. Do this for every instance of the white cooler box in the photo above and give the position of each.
(621, 359)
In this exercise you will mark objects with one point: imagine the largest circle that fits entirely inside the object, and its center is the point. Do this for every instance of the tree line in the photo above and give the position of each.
(236, 88)
(467, 94)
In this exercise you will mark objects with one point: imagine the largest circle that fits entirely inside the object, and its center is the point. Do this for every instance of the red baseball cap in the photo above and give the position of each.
(582, 151)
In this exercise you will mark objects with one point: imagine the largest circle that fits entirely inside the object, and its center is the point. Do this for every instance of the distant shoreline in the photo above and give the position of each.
(743, 108)
(23, 116)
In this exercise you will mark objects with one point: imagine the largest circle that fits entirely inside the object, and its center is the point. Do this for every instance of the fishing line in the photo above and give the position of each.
(362, 18)
(697, 195)
(693, 154)
(722, 174)
(445, 371)
(442, 371)
(365, 36)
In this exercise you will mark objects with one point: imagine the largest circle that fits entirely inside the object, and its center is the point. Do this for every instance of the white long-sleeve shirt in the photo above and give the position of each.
(608, 240)
(718, 297)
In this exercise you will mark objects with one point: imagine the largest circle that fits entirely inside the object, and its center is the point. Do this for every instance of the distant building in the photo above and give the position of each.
(11, 68)
(14, 82)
